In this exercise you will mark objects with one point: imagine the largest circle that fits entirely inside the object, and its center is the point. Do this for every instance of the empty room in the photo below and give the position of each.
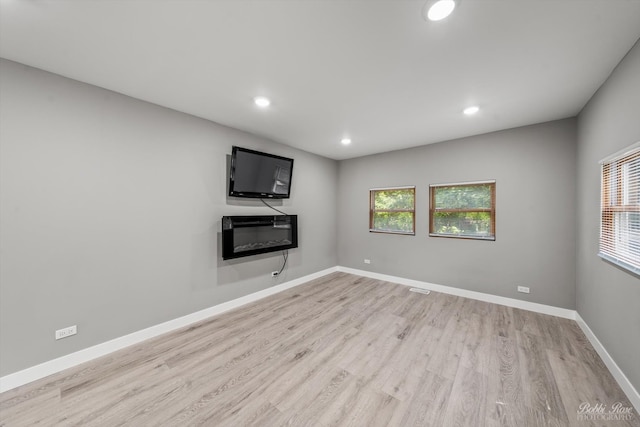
(320, 212)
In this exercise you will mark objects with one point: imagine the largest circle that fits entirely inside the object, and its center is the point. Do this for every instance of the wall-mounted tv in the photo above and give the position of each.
(259, 175)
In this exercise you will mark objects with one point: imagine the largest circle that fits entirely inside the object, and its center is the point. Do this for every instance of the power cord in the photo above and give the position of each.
(268, 205)
(285, 253)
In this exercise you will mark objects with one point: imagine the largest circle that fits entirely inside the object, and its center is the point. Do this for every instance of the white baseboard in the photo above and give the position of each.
(621, 378)
(50, 367)
(509, 302)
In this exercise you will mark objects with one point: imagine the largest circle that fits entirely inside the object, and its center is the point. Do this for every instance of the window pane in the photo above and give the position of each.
(463, 197)
(627, 234)
(392, 210)
(394, 199)
(630, 183)
(393, 221)
(463, 210)
(476, 224)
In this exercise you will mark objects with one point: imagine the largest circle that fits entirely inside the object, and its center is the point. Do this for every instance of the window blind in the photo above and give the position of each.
(620, 209)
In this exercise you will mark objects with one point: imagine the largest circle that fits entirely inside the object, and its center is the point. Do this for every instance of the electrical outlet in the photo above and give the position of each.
(66, 332)
(523, 289)
(274, 273)
(367, 261)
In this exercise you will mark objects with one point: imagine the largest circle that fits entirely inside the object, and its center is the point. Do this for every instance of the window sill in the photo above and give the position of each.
(621, 264)
(457, 236)
(404, 233)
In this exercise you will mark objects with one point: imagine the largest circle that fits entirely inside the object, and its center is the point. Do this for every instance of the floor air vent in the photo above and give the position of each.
(420, 291)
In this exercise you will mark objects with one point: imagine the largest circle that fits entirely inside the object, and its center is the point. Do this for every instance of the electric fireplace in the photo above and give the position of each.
(252, 235)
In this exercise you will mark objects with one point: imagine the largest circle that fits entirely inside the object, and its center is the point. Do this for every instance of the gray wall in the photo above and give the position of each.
(608, 298)
(110, 215)
(534, 168)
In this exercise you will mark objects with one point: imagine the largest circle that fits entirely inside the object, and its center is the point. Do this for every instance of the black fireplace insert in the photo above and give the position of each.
(251, 235)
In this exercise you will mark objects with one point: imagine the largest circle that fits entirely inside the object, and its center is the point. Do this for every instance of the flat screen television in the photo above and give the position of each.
(259, 175)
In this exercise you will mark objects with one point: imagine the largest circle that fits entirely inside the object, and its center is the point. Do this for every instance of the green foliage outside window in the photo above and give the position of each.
(392, 210)
(394, 199)
(463, 210)
(462, 223)
(398, 221)
(463, 197)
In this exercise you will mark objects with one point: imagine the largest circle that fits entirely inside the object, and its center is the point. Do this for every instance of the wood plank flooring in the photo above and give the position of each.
(341, 350)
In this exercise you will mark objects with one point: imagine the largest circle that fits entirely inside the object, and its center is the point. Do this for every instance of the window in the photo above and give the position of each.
(465, 210)
(392, 210)
(620, 209)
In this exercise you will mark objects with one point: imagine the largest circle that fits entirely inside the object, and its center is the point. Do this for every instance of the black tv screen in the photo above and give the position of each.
(259, 175)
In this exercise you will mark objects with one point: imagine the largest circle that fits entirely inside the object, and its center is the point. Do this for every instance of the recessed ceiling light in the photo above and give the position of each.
(346, 141)
(438, 10)
(470, 111)
(262, 101)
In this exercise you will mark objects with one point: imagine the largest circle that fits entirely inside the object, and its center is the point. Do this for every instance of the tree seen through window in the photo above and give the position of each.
(392, 210)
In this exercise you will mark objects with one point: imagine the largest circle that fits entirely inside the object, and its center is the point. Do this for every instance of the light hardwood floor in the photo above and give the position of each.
(340, 350)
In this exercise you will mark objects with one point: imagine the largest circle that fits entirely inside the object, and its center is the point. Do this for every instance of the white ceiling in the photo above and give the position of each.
(372, 70)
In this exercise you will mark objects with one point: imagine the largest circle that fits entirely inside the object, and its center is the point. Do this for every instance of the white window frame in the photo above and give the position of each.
(619, 241)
